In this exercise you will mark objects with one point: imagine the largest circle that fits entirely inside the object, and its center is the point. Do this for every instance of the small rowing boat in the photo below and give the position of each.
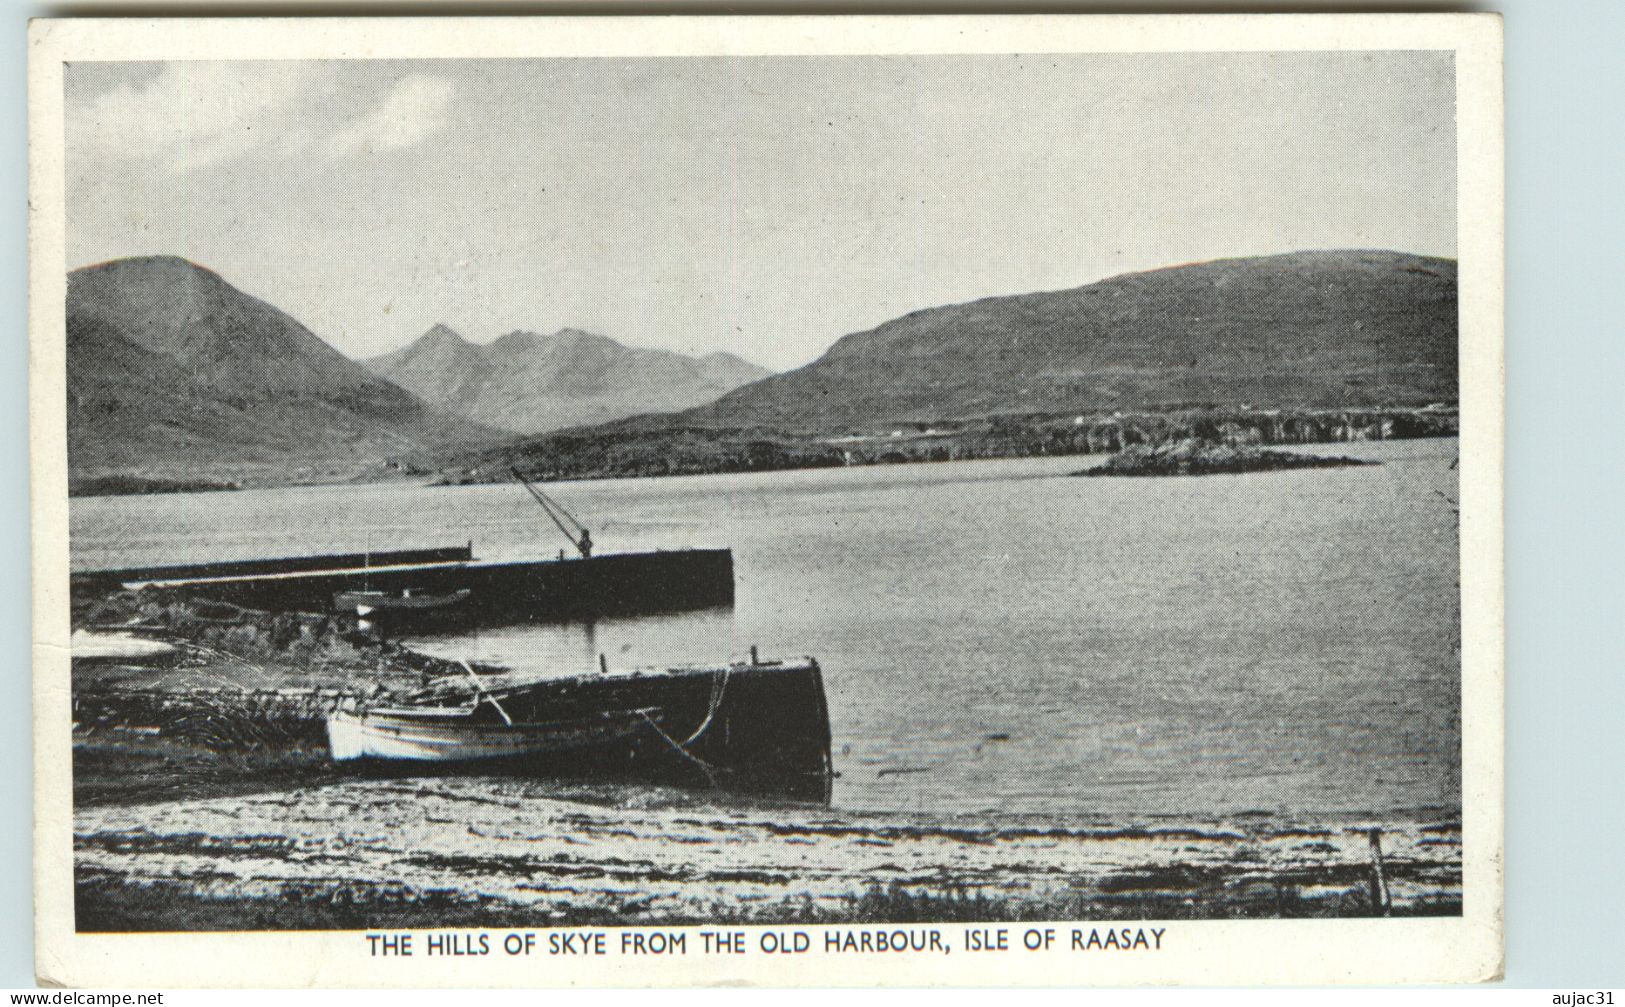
(757, 726)
(457, 735)
(366, 603)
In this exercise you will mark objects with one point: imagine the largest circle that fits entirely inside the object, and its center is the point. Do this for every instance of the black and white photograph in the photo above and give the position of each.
(871, 500)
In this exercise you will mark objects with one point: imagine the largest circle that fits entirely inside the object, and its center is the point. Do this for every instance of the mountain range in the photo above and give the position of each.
(174, 373)
(530, 383)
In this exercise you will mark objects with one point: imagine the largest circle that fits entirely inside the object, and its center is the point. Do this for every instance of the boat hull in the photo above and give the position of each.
(395, 614)
(412, 737)
(753, 727)
(365, 603)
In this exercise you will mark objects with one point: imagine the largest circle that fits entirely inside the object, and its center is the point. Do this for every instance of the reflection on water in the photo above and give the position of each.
(993, 637)
(574, 648)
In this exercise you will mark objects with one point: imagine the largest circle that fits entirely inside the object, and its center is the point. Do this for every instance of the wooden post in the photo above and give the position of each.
(1381, 903)
(753, 658)
(603, 665)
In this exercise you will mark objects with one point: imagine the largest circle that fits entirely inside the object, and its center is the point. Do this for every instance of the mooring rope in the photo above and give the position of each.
(709, 770)
(480, 693)
(719, 684)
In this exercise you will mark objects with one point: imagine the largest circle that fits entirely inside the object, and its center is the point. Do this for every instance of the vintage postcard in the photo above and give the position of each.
(816, 500)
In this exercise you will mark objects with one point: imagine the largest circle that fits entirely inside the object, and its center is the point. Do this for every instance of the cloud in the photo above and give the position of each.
(195, 114)
(192, 115)
(415, 108)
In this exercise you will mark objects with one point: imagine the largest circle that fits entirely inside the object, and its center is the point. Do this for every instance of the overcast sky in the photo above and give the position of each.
(766, 206)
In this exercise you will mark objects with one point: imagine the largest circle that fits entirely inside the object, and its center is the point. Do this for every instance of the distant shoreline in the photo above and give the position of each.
(629, 452)
(636, 449)
(1197, 458)
(121, 485)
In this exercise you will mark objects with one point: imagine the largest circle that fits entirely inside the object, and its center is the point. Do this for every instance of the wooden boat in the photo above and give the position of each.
(371, 603)
(755, 726)
(456, 735)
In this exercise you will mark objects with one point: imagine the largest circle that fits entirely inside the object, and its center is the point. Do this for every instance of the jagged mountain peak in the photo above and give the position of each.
(530, 382)
(525, 340)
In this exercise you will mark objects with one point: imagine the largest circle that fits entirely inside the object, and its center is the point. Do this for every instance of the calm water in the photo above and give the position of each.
(995, 638)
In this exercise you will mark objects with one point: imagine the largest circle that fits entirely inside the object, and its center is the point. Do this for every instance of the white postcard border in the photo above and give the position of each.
(1317, 951)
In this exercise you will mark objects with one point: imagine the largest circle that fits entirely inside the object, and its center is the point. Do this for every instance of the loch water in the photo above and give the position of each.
(997, 639)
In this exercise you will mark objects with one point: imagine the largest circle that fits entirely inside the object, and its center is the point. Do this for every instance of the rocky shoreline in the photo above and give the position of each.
(1195, 457)
(506, 851)
(204, 799)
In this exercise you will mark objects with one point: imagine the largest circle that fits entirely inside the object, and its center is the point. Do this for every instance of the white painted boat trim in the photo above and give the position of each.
(447, 734)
